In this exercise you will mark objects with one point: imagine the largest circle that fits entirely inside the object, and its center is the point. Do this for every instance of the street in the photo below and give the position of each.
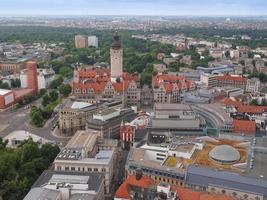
(18, 119)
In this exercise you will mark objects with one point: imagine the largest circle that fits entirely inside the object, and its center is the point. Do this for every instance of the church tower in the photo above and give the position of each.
(116, 58)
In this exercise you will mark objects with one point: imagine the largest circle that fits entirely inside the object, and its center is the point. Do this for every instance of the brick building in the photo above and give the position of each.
(127, 134)
(233, 81)
(168, 88)
(95, 85)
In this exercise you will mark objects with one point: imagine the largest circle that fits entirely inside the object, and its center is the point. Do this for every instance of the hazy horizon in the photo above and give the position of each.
(133, 7)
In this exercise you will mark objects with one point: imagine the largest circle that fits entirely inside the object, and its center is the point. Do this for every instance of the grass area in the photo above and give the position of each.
(171, 161)
(203, 156)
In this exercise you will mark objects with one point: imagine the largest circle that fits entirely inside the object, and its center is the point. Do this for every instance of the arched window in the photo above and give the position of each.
(234, 194)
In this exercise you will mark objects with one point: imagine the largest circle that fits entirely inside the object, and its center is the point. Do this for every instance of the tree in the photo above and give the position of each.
(49, 152)
(65, 71)
(36, 117)
(15, 83)
(3, 143)
(4, 85)
(30, 151)
(65, 89)
(57, 82)
(242, 62)
(254, 102)
(53, 95)
(19, 168)
(227, 54)
(46, 100)
(43, 92)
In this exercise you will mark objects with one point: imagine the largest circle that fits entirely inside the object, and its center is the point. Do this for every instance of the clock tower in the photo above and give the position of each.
(116, 59)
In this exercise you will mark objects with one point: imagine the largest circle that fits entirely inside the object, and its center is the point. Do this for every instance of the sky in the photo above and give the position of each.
(133, 7)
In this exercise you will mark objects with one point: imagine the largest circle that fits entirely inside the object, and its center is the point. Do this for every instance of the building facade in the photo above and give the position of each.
(73, 117)
(83, 154)
(81, 41)
(95, 85)
(168, 88)
(93, 41)
(233, 81)
(116, 59)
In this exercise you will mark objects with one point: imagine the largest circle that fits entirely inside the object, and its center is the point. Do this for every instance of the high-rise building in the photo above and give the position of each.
(81, 41)
(116, 58)
(32, 76)
(92, 41)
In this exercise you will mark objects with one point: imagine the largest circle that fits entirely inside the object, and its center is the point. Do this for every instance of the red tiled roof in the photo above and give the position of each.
(187, 194)
(251, 109)
(167, 78)
(231, 78)
(91, 73)
(98, 79)
(245, 108)
(123, 190)
(97, 87)
(244, 126)
(169, 82)
(229, 101)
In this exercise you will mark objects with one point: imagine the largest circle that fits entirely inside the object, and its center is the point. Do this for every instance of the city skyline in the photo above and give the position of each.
(134, 7)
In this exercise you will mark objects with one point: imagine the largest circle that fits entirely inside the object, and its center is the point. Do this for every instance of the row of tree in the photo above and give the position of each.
(19, 168)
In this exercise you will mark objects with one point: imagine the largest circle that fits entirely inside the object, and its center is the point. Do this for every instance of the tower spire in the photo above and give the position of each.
(116, 42)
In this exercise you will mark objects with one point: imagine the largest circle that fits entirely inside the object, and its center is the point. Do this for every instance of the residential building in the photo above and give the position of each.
(12, 67)
(127, 135)
(44, 78)
(59, 185)
(83, 154)
(253, 85)
(95, 85)
(167, 88)
(233, 92)
(81, 41)
(232, 81)
(260, 65)
(216, 53)
(146, 96)
(93, 41)
(209, 80)
(234, 54)
(108, 121)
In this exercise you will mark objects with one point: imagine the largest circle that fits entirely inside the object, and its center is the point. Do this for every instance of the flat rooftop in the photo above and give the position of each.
(107, 111)
(141, 157)
(83, 139)
(80, 105)
(172, 107)
(102, 157)
(4, 92)
(91, 178)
